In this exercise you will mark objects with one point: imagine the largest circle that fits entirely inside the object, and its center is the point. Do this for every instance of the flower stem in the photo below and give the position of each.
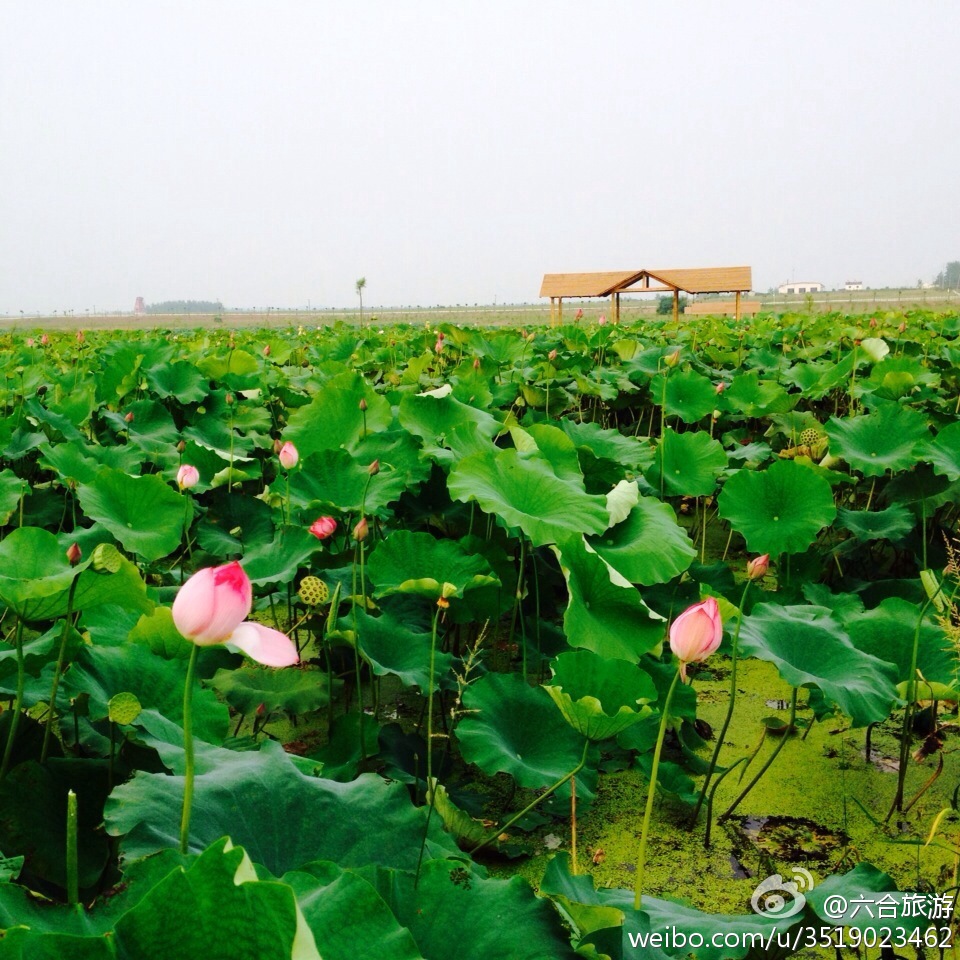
(17, 703)
(188, 750)
(651, 793)
(47, 733)
(731, 703)
(73, 886)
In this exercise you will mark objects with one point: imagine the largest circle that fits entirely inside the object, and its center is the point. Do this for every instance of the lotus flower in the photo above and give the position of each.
(187, 476)
(323, 527)
(289, 456)
(210, 608)
(602, 320)
(696, 633)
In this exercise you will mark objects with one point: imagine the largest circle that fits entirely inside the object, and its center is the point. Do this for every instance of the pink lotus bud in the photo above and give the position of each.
(361, 530)
(476, 363)
(602, 319)
(758, 566)
(266, 350)
(74, 554)
(30, 341)
(697, 632)
(128, 417)
(438, 346)
(552, 355)
(902, 327)
(187, 476)
(363, 404)
(672, 358)
(579, 314)
(374, 468)
(873, 323)
(323, 527)
(721, 386)
(44, 340)
(277, 446)
(80, 337)
(210, 608)
(289, 457)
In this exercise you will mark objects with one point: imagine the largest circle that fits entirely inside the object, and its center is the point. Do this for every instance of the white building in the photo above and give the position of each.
(853, 285)
(800, 286)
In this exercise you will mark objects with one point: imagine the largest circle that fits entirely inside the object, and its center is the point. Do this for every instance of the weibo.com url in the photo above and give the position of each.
(671, 938)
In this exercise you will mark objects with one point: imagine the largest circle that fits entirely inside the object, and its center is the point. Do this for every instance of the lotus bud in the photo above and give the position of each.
(266, 350)
(476, 363)
(80, 337)
(602, 319)
(873, 323)
(438, 346)
(579, 314)
(721, 386)
(758, 566)
(181, 446)
(374, 468)
(277, 446)
(288, 455)
(902, 327)
(187, 476)
(229, 398)
(44, 340)
(672, 358)
(128, 417)
(323, 527)
(30, 341)
(552, 355)
(361, 530)
(74, 554)
(362, 404)
(696, 633)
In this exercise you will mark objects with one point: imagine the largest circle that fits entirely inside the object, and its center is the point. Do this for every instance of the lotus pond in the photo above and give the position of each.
(486, 547)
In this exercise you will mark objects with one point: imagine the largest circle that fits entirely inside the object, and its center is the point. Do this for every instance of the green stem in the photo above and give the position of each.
(188, 750)
(433, 663)
(516, 603)
(533, 803)
(651, 793)
(731, 703)
(773, 756)
(73, 885)
(17, 703)
(48, 732)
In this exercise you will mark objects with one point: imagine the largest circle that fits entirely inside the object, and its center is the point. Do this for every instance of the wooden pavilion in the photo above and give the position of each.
(611, 283)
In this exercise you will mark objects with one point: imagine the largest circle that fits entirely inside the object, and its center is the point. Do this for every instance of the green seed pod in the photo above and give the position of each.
(106, 558)
(313, 591)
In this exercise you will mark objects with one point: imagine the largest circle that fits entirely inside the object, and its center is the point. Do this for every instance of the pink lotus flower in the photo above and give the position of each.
(758, 566)
(602, 320)
(696, 633)
(187, 476)
(323, 527)
(289, 457)
(210, 608)
(44, 340)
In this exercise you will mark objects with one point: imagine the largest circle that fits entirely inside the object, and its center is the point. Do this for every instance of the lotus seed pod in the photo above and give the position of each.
(313, 591)
(809, 436)
(106, 558)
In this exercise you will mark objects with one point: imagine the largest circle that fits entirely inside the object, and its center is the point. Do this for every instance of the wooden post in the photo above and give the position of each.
(560, 311)
(618, 306)
(613, 307)
(676, 306)
(738, 307)
(552, 311)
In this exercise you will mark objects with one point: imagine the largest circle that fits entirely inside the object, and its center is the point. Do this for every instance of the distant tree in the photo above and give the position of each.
(361, 283)
(665, 304)
(185, 306)
(949, 278)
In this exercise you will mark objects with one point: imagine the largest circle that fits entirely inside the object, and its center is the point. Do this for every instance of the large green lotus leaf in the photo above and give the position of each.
(333, 418)
(213, 432)
(33, 568)
(527, 493)
(691, 463)
(157, 632)
(344, 911)
(216, 908)
(604, 616)
(689, 395)
(511, 727)
(279, 562)
(887, 632)
(649, 546)
(70, 461)
(420, 564)
(59, 423)
(892, 524)
(607, 444)
(454, 914)
(12, 488)
(605, 918)
(599, 697)
(180, 379)
(750, 395)
(143, 513)
(431, 417)
(237, 363)
(257, 799)
(292, 691)
(33, 817)
(777, 510)
(156, 682)
(152, 430)
(37, 653)
(553, 445)
(340, 757)
(810, 649)
(391, 646)
(882, 440)
(944, 452)
(896, 377)
(333, 480)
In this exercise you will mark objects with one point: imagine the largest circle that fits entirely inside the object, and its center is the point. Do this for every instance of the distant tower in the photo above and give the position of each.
(138, 308)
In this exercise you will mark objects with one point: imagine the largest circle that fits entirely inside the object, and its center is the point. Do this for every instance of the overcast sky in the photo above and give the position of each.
(270, 153)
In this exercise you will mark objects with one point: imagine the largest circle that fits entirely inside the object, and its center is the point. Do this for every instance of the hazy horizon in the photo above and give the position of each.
(271, 155)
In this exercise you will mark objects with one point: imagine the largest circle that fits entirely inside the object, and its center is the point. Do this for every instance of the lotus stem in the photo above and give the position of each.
(188, 750)
(73, 886)
(731, 703)
(651, 793)
(48, 731)
(766, 766)
(716, 783)
(573, 824)
(17, 702)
